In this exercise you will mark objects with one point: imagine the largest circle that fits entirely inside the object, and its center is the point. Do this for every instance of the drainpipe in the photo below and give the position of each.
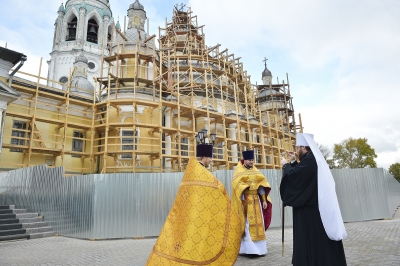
(21, 63)
(3, 120)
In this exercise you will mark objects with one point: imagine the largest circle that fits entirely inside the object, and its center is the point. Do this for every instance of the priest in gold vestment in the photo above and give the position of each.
(252, 203)
(201, 227)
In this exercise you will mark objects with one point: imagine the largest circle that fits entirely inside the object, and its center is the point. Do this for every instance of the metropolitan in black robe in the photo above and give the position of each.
(311, 244)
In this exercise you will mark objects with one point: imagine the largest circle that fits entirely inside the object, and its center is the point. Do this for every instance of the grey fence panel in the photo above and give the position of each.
(66, 203)
(393, 191)
(362, 194)
(348, 200)
(136, 205)
(3, 184)
(133, 205)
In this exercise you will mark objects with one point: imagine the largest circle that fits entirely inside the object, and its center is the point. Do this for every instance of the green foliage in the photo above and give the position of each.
(353, 153)
(394, 169)
(331, 163)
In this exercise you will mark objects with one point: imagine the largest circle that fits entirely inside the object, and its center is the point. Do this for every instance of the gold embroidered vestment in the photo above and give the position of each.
(201, 228)
(247, 181)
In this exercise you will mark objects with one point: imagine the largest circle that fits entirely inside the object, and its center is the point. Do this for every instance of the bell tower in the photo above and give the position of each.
(137, 16)
(81, 25)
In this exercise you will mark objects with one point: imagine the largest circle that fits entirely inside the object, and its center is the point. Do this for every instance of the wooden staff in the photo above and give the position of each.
(283, 218)
(283, 229)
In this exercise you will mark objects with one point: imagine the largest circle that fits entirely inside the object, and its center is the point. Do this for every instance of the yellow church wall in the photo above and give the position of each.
(49, 137)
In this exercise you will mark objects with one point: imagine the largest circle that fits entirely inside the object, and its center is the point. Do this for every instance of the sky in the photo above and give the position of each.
(342, 57)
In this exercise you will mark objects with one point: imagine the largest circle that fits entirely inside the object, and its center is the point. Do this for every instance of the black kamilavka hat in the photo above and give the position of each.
(248, 155)
(204, 150)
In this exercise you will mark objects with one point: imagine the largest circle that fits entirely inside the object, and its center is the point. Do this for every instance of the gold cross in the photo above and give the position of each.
(177, 247)
(185, 194)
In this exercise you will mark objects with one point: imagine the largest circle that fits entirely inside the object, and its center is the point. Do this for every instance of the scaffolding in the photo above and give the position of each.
(39, 123)
(150, 103)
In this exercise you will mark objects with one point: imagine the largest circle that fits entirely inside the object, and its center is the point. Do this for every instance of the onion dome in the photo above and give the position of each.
(136, 6)
(117, 26)
(266, 72)
(82, 85)
(133, 35)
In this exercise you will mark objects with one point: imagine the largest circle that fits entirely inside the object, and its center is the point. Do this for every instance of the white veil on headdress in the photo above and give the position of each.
(327, 199)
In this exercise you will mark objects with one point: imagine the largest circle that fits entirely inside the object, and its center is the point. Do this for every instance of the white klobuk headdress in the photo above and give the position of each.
(300, 139)
(327, 199)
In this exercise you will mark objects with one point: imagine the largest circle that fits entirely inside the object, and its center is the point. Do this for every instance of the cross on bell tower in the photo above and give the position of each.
(266, 74)
(265, 61)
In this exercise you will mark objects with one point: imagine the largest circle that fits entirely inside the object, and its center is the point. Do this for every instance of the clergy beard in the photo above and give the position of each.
(302, 154)
(248, 166)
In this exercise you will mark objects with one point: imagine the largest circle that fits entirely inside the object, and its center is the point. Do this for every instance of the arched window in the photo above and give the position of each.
(92, 31)
(71, 36)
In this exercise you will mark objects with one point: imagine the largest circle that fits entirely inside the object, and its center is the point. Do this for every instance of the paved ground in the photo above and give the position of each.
(368, 243)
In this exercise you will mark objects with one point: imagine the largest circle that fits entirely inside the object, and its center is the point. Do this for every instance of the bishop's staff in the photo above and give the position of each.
(283, 229)
(283, 219)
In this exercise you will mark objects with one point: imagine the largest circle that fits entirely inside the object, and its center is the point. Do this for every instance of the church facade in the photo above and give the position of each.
(119, 99)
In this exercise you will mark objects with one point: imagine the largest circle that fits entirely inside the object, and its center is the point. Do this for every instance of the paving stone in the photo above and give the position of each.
(368, 244)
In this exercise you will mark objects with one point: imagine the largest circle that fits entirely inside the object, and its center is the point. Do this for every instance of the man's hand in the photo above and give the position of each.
(283, 161)
(265, 205)
(291, 155)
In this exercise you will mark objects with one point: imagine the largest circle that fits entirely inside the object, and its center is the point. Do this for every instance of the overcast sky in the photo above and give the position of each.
(342, 56)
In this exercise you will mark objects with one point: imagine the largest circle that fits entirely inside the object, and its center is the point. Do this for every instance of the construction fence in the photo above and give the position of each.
(122, 205)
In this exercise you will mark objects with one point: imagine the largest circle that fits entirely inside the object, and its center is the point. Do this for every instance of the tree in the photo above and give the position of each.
(353, 153)
(326, 152)
(331, 164)
(394, 169)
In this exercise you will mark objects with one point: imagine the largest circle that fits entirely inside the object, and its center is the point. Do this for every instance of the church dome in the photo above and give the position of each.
(81, 58)
(136, 6)
(118, 26)
(133, 35)
(79, 82)
(266, 72)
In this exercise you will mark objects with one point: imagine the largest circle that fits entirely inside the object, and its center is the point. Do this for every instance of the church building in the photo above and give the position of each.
(118, 98)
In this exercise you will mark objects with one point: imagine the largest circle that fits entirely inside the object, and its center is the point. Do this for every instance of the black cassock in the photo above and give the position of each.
(311, 244)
